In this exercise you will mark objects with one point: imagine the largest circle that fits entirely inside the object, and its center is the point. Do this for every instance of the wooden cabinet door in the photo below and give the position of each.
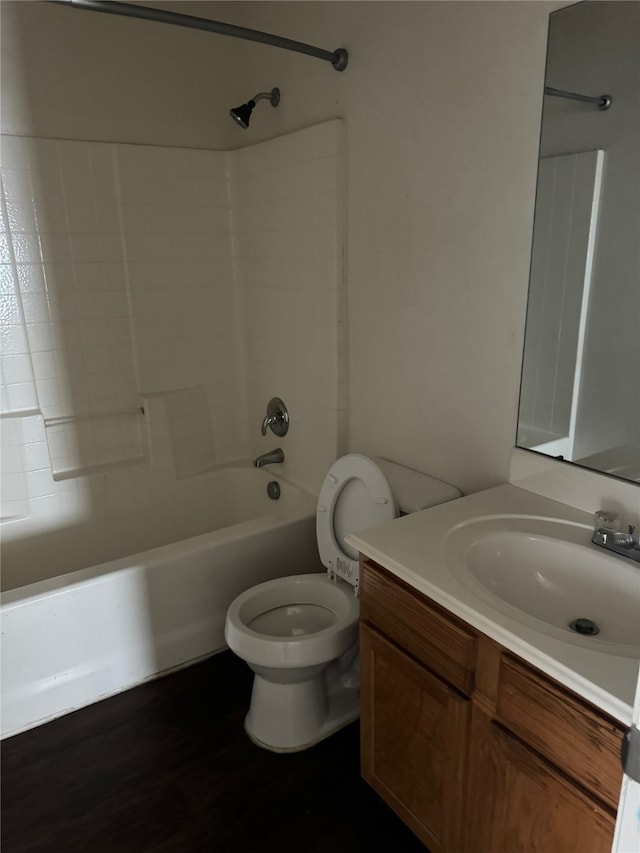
(518, 803)
(414, 731)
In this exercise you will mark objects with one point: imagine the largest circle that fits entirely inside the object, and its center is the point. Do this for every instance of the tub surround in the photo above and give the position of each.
(412, 548)
(153, 296)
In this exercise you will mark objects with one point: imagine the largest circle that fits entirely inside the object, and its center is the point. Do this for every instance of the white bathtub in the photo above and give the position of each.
(70, 640)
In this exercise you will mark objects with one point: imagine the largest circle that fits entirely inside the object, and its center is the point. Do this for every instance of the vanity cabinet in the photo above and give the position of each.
(472, 747)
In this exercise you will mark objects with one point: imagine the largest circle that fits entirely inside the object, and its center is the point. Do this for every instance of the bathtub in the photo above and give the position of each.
(72, 639)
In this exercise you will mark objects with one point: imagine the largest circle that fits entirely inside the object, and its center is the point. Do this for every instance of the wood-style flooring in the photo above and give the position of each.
(167, 766)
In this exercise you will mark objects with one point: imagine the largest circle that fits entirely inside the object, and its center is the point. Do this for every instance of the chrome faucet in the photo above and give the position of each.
(608, 536)
(269, 458)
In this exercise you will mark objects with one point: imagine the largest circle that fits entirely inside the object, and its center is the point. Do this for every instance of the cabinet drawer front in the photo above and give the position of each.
(573, 735)
(418, 626)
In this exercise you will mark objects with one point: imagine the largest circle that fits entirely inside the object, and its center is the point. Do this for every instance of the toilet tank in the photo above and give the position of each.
(415, 491)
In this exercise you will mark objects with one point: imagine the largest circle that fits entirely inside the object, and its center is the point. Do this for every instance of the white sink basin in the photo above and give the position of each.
(546, 573)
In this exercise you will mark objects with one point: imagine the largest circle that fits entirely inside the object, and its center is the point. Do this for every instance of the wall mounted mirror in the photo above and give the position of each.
(580, 389)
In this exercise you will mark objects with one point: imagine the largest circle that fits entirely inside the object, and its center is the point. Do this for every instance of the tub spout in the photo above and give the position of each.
(269, 458)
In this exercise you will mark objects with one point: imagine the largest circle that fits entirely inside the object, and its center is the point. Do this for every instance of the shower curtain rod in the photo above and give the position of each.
(603, 102)
(338, 58)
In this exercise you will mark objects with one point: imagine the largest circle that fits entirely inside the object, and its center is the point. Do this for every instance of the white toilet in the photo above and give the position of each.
(299, 634)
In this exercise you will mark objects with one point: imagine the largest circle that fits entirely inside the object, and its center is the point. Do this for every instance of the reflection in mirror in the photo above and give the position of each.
(580, 391)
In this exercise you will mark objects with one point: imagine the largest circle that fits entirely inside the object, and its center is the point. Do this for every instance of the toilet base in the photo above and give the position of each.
(294, 717)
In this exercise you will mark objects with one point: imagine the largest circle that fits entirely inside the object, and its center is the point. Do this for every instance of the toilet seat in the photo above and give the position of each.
(355, 495)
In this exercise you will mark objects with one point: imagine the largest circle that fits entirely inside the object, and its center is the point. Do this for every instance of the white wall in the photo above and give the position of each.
(442, 105)
(74, 74)
(441, 102)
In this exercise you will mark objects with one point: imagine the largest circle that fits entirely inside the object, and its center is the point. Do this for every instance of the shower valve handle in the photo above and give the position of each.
(277, 418)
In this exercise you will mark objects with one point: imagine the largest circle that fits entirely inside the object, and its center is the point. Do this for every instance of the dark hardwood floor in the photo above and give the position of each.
(167, 767)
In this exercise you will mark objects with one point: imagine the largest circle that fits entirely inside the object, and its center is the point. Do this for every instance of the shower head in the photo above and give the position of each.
(242, 114)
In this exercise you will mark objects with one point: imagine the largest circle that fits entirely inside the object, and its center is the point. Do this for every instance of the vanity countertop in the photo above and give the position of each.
(413, 549)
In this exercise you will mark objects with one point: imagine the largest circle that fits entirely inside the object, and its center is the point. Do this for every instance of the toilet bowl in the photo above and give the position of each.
(299, 634)
(293, 622)
(288, 631)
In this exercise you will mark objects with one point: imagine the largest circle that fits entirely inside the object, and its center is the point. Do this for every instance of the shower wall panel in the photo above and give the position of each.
(175, 225)
(288, 247)
(117, 328)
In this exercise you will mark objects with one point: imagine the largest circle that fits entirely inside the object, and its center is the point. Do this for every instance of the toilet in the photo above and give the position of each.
(299, 634)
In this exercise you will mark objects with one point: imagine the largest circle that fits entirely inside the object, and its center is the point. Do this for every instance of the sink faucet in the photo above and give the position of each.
(625, 544)
(269, 458)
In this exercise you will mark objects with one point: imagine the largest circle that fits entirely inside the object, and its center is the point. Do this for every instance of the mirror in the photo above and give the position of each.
(580, 389)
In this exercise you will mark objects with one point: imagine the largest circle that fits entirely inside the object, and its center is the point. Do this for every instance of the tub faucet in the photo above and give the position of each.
(269, 458)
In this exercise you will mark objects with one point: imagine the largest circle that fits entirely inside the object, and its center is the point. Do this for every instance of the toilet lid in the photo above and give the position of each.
(355, 495)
